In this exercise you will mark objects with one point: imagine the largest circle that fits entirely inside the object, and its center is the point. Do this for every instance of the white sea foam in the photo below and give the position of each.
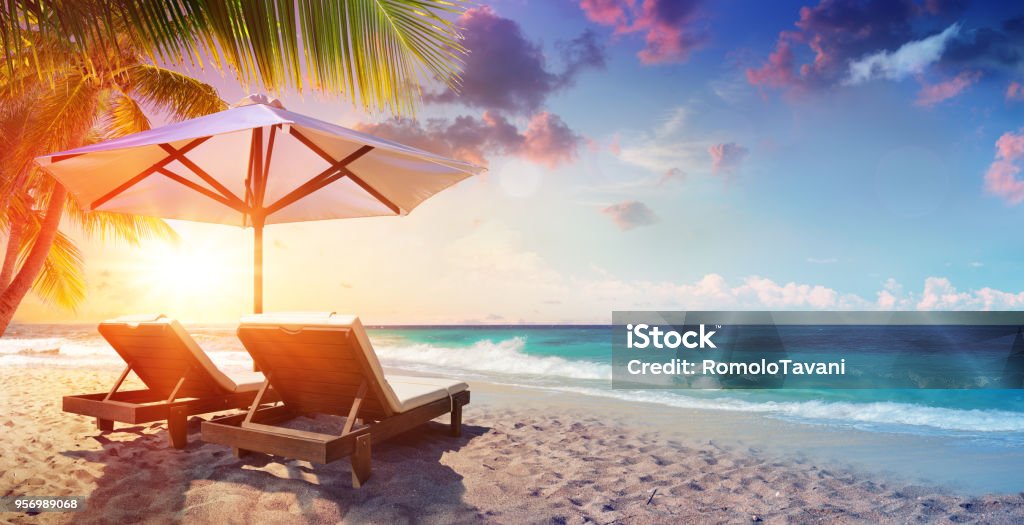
(30, 345)
(93, 351)
(875, 414)
(505, 361)
(505, 357)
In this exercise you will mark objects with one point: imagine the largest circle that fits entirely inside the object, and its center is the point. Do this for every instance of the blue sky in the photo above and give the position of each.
(845, 185)
(600, 122)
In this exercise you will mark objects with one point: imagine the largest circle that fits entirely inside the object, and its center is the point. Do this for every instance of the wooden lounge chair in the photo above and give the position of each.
(182, 380)
(324, 364)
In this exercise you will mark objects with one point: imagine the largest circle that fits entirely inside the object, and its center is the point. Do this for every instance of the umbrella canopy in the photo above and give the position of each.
(252, 165)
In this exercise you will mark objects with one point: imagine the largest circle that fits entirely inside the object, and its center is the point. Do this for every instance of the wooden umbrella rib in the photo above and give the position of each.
(57, 158)
(191, 185)
(300, 192)
(370, 189)
(179, 155)
(249, 199)
(145, 173)
(312, 145)
(250, 177)
(307, 188)
(341, 166)
(257, 166)
(262, 188)
(331, 174)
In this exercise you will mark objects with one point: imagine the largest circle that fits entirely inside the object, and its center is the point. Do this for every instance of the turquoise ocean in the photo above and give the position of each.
(577, 359)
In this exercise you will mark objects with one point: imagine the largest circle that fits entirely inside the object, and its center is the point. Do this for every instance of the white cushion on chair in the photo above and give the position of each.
(413, 391)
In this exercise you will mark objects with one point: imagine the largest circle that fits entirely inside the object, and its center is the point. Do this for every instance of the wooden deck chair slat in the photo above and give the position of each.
(151, 340)
(318, 364)
(328, 338)
(317, 388)
(180, 379)
(276, 348)
(120, 380)
(160, 346)
(177, 387)
(350, 420)
(308, 362)
(298, 376)
(259, 398)
(157, 363)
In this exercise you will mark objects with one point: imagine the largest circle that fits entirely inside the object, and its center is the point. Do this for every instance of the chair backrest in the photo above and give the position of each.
(161, 352)
(316, 362)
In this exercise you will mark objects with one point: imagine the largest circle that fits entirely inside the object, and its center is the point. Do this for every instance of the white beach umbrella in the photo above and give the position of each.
(252, 165)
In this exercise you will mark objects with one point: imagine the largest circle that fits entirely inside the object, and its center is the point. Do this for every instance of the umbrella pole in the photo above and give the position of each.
(257, 274)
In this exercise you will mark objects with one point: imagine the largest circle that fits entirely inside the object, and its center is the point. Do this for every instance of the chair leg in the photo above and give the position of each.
(239, 452)
(104, 425)
(361, 461)
(456, 419)
(177, 427)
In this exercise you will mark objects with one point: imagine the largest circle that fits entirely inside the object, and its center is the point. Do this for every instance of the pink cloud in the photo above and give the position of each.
(1015, 91)
(670, 176)
(837, 32)
(1001, 178)
(728, 157)
(932, 94)
(667, 25)
(630, 214)
(547, 140)
(778, 71)
(607, 12)
(506, 71)
(615, 146)
(1010, 146)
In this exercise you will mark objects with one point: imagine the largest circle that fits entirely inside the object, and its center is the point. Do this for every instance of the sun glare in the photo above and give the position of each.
(187, 273)
(187, 270)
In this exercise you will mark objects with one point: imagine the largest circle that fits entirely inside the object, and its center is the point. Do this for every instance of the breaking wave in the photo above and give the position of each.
(505, 357)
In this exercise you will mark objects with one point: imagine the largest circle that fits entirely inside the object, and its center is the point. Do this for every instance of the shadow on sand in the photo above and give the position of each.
(144, 479)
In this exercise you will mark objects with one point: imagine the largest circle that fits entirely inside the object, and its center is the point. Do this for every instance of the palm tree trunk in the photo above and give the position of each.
(14, 237)
(11, 254)
(22, 283)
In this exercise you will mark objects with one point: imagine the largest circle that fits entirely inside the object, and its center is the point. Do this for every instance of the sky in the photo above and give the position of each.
(655, 154)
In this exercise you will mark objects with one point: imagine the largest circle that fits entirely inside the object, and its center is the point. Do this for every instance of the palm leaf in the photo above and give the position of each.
(15, 118)
(119, 227)
(124, 117)
(64, 115)
(62, 280)
(373, 51)
(182, 96)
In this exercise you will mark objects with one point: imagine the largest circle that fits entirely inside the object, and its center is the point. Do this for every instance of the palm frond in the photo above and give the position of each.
(15, 118)
(37, 58)
(118, 227)
(182, 96)
(370, 50)
(61, 281)
(64, 115)
(124, 117)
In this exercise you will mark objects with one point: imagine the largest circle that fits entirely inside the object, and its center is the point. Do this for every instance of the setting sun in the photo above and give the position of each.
(189, 275)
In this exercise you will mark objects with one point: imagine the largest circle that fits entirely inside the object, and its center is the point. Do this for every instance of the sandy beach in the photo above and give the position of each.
(520, 460)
